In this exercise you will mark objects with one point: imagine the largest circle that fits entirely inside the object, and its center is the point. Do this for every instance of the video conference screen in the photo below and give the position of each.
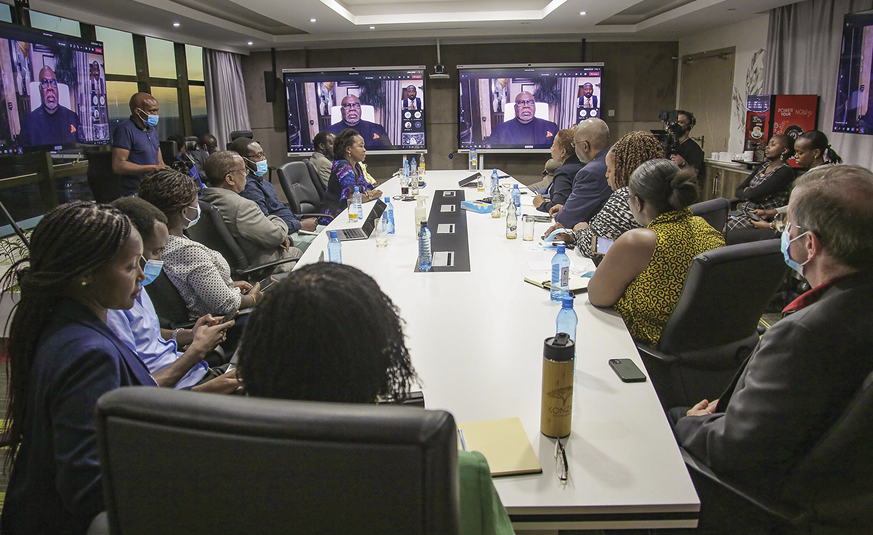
(523, 106)
(385, 105)
(853, 112)
(53, 88)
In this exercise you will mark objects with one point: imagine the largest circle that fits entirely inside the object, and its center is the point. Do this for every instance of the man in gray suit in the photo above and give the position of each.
(262, 238)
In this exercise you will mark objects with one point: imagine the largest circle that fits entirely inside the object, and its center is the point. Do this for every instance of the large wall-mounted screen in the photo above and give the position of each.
(853, 113)
(53, 90)
(521, 107)
(386, 105)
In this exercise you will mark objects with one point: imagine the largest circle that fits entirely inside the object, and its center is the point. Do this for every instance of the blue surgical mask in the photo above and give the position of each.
(786, 242)
(192, 222)
(152, 269)
(151, 120)
(261, 168)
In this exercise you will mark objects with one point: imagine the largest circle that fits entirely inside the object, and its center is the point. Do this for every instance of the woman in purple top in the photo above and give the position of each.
(346, 173)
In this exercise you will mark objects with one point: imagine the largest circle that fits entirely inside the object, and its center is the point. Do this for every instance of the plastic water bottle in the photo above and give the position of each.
(421, 169)
(516, 199)
(511, 224)
(560, 286)
(334, 248)
(567, 319)
(356, 212)
(413, 178)
(389, 209)
(495, 179)
(495, 200)
(420, 214)
(425, 257)
(381, 231)
(474, 159)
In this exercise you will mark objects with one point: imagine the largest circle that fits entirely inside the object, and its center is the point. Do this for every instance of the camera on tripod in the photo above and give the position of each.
(669, 136)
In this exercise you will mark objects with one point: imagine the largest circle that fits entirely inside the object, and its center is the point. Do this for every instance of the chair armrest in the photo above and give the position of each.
(655, 354)
(265, 266)
(301, 216)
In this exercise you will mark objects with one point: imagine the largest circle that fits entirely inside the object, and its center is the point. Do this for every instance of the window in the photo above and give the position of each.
(117, 51)
(169, 123)
(5, 13)
(162, 58)
(199, 122)
(118, 98)
(50, 23)
(194, 57)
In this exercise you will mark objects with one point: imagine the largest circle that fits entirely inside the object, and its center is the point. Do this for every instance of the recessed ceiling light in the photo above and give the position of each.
(732, 9)
(251, 43)
(372, 27)
(583, 12)
(176, 24)
(311, 20)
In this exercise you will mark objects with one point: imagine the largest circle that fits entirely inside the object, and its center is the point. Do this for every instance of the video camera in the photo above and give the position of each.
(669, 136)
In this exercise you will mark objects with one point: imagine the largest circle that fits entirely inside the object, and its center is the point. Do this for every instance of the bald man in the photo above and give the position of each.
(135, 145)
(525, 129)
(374, 135)
(590, 188)
(50, 123)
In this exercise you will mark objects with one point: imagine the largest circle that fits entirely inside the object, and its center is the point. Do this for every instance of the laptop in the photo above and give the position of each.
(364, 232)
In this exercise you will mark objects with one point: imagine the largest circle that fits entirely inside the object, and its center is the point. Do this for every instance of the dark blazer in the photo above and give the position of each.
(407, 104)
(593, 101)
(590, 193)
(797, 382)
(55, 483)
(562, 184)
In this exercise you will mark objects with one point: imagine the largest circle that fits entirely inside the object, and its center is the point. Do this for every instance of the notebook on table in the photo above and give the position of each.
(503, 443)
(362, 233)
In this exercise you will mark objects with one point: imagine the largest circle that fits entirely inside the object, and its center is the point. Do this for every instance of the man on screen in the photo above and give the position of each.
(374, 135)
(50, 123)
(525, 128)
(411, 102)
(588, 98)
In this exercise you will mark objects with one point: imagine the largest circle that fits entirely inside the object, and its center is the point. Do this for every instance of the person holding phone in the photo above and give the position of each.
(644, 271)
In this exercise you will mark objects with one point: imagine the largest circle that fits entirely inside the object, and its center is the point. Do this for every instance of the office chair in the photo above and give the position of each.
(298, 182)
(169, 150)
(313, 174)
(212, 232)
(170, 307)
(237, 134)
(104, 183)
(713, 211)
(187, 463)
(830, 490)
(714, 325)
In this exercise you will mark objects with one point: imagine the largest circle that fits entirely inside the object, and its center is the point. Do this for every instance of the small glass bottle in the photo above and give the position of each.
(511, 224)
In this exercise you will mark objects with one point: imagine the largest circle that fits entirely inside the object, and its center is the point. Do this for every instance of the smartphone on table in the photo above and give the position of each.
(627, 371)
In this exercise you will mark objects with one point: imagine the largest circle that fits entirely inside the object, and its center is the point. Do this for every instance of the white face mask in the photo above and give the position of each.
(192, 222)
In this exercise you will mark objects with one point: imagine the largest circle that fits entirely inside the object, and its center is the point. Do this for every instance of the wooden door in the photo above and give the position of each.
(705, 89)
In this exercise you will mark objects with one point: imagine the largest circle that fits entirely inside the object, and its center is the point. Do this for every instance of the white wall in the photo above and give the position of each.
(749, 38)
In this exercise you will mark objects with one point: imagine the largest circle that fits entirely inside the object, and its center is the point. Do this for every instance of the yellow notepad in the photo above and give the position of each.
(504, 445)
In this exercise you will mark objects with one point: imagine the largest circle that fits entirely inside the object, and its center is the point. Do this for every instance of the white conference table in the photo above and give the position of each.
(476, 341)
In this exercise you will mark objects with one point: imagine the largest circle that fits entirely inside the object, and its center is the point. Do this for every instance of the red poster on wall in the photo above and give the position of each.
(793, 115)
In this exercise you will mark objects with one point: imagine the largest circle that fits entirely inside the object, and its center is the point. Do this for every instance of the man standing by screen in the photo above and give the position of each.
(374, 135)
(50, 123)
(135, 145)
(525, 129)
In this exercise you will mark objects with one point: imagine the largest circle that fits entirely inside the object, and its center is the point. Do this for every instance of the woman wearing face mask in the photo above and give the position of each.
(201, 275)
(346, 173)
(769, 186)
(84, 260)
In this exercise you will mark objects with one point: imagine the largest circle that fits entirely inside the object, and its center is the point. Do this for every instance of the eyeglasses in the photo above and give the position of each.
(528, 103)
(780, 223)
(562, 469)
(45, 84)
(352, 106)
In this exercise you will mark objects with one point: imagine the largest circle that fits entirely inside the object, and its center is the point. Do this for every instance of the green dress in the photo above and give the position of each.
(650, 298)
(482, 513)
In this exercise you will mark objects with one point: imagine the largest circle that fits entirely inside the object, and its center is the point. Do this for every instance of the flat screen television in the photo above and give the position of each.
(53, 90)
(853, 111)
(386, 105)
(521, 107)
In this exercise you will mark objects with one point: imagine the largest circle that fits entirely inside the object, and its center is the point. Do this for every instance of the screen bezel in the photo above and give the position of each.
(333, 70)
(851, 21)
(515, 66)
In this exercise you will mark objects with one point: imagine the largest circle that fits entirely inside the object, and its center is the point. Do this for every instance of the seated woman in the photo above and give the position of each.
(201, 275)
(84, 260)
(615, 218)
(346, 173)
(644, 271)
(297, 347)
(565, 155)
(768, 186)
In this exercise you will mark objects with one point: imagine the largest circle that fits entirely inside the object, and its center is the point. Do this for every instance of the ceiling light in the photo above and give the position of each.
(176, 24)
(251, 43)
(583, 12)
(372, 27)
(311, 20)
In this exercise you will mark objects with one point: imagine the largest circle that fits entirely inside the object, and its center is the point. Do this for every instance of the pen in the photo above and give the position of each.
(461, 435)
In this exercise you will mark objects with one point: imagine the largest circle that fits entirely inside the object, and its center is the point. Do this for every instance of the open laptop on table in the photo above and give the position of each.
(364, 232)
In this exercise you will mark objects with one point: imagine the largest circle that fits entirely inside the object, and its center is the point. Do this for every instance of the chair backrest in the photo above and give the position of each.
(313, 174)
(169, 150)
(297, 183)
(724, 296)
(713, 211)
(169, 305)
(181, 462)
(212, 232)
(105, 185)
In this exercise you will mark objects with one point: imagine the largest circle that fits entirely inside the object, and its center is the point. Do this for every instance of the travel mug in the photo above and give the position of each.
(557, 399)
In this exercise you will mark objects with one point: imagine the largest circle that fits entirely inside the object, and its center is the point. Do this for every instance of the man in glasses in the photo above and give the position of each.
(50, 123)
(525, 129)
(374, 135)
(794, 388)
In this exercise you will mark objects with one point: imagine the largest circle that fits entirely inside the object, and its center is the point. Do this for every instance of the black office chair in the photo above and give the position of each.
(714, 325)
(300, 189)
(170, 307)
(238, 134)
(104, 183)
(713, 211)
(829, 491)
(169, 150)
(313, 174)
(212, 232)
(188, 463)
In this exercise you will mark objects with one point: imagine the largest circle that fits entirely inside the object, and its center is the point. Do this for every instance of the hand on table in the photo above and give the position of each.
(538, 200)
(553, 211)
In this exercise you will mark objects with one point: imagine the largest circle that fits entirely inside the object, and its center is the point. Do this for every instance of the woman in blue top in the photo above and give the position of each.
(346, 173)
(84, 259)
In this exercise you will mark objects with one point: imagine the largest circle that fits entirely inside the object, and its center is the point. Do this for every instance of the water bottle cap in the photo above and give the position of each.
(333, 234)
(559, 348)
(567, 302)
(357, 189)
(561, 249)
(387, 200)
(423, 222)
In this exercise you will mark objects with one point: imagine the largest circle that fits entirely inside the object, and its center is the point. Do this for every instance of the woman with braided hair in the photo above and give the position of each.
(84, 260)
(615, 218)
